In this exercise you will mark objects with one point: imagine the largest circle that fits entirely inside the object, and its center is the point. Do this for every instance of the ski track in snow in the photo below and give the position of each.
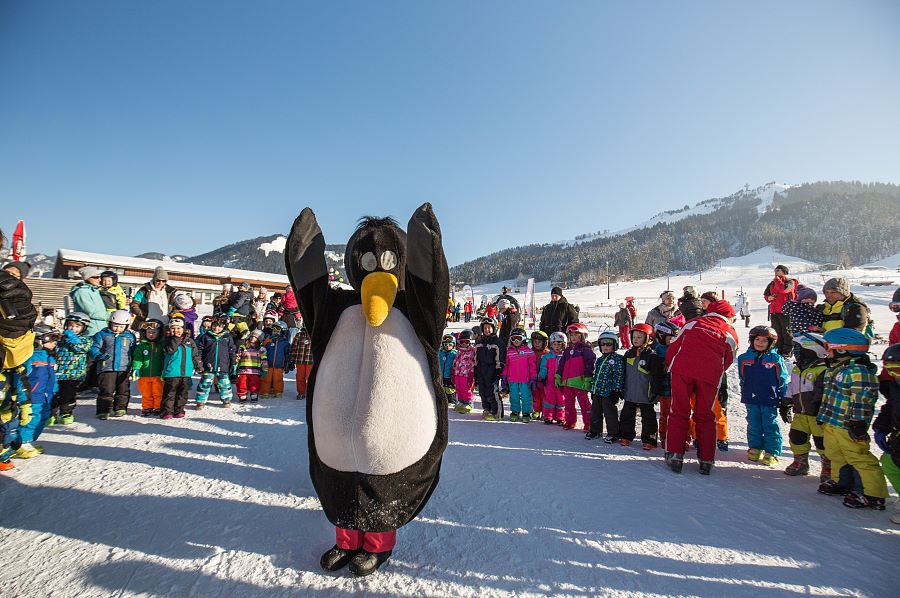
(221, 504)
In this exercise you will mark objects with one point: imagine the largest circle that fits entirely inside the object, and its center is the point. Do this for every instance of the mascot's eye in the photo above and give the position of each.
(368, 262)
(388, 260)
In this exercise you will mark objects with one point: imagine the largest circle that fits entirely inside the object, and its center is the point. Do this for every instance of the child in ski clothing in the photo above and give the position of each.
(887, 424)
(574, 374)
(184, 308)
(113, 349)
(278, 354)
(665, 333)
(643, 383)
(804, 397)
(521, 376)
(463, 372)
(539, 340)
(205, 325)
(802, 314)
(15, 411)
(848, 405)
(218, 356)
(251, 364)
(71, 367)
(446, 356)
(301, 357)
(764, 382)
(41, 368)
(490, 356)
(148, 363)
(606, 388)
(181, 361)
(623, 320)
(553, 398)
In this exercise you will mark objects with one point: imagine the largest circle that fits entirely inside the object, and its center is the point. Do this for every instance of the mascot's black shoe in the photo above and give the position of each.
(337, 558)
(366, 563)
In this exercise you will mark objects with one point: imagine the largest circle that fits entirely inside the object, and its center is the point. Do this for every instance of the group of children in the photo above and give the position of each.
(162, 358)
(828, 395)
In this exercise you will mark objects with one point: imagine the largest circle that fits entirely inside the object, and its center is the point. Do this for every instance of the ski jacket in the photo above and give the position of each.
(17, 294)
(632, 310)
(140, 303)
(119, 347)
(278, 352)
(557, 315)
(803, 318)
(190, 316)
(301, 348)
(218, 353)
(148, 358)
(87, 299)
(780, 291)
(251, 360)
(764, 377)
(849, 312)
(661, 313)
(71, 356)
(520, 365)
(464, 363)
(806, 386)
(548, 369)
(508, 320)
(114, 297)
(181, 357)
(704, 349)
(851, 391)
(446, 359)
(576, 366)
(490, 356)
(888, 420)
(665, 387)
(643, 375)
(609, 375)
(623, 318)
(241, 304)
(41, 368)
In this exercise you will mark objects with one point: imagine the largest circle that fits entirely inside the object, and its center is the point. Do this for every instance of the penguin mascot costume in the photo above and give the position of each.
(376, 410)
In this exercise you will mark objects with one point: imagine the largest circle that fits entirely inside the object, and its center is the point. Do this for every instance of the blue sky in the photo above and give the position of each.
(180, 127)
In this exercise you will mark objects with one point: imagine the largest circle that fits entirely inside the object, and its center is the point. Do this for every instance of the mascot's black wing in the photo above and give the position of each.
(427, 277)
(304, 260)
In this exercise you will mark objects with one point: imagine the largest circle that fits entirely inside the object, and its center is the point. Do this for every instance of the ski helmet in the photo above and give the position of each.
(488, 320)
(502, 304)
(465, 335)
(891, 359)
(279, 326)
(539, 335)
(44, 334)
(206, 319)
(812, 341)
(184, 301)
(257, 334)
(110, 274)
(220, 320)
(270, 314)
(577, 328)
(847, 340)
(176, 321)
(558, 337)
(607, 336)
(894, 305)
(518, 333)
(476, 330)
(121, 317)
(448, 339)
(80, 317)
(766, 331)
(645, 328)
(664, 329)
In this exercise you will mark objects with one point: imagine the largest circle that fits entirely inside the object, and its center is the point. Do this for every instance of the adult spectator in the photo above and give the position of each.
(690, 304)
(509, 319)
(18, 270)
(843, 309)
(467, 311)
(241, 302)
(87, 299)
(894, 336)
(697, 360)
(17, 316)
(223, 299)
(260, 304)
(113, 295)
(624, 322)
(666, 310)
(558, 314)
(778, 292)
(154, 300)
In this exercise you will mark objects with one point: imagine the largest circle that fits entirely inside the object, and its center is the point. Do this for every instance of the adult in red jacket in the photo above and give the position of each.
(778, 292)
(697, 360)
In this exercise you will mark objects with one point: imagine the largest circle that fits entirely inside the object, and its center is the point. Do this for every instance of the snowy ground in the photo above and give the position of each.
(220, 504)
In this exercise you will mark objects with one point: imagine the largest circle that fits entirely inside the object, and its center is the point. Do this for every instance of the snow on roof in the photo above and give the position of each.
(277, 244)
(176, 267)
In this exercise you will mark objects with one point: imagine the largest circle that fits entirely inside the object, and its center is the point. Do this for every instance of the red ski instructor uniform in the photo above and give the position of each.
(697, 360)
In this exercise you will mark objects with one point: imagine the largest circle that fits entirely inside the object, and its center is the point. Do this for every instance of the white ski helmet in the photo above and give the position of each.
(558, 337)
(120, 316)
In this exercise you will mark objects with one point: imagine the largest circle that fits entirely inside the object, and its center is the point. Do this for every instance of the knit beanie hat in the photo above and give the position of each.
(783, 268)
(804, 292)
(710, 296)
(160, 274)
(720, 307)
(665, 294)
(690, 291)
(840, 284)
(89, 272)
(621, 306)
(556, 291)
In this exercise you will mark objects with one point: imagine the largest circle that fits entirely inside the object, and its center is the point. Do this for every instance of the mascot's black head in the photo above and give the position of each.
(375, 261)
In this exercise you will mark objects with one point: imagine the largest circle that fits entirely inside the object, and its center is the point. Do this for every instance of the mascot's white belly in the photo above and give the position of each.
(374, 409)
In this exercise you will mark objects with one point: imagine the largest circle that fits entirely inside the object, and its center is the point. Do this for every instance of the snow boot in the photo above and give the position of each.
(490, 417)
(706, 467)
(863, 501)
(675, 461)
(146, 412)
(769, 459)
(301, 397)
(536, 416)
(568, 426)
(226, 404)
(119, 413)
(832, 488)
(648, 447)
(103, 416)
(242, 399)
(6, 465)
(167, 416)
(609, 439)
(548, 422)
(800, 466)
(38, 448)
(722, 445)
(52, 421)
(526, 417)
(465, 408)
(558, 422)
(254, 397)
(67, 419)
(754, 454)
(337, 558)
(591, 435)
(199, 407)
(825, 474)
(179, 415)
(365, 562)
(624, 442)
(26, 451)
(514, 416)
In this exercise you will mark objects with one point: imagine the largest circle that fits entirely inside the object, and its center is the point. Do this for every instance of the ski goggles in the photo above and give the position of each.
(464, 343)
(51, 337)
(606, 343)
(150, 326)
(893, 369)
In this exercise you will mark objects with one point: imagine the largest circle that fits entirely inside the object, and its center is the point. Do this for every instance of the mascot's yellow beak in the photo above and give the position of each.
(379, 289)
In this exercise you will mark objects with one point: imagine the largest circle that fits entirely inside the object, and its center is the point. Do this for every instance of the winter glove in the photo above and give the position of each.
(784, 410)
(579, 382)
(103, 356)
(558, 381)
(881, 440)
(24, 414)
(858, 430)
(5, 416)
(71, 336)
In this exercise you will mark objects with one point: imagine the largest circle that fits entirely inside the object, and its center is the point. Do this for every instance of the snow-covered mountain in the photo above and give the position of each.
(263, 254)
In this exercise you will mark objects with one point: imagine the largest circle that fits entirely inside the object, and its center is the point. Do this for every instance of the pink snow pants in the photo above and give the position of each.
(351, 539)
(463, 385)
(569, 397)
(553, 403)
